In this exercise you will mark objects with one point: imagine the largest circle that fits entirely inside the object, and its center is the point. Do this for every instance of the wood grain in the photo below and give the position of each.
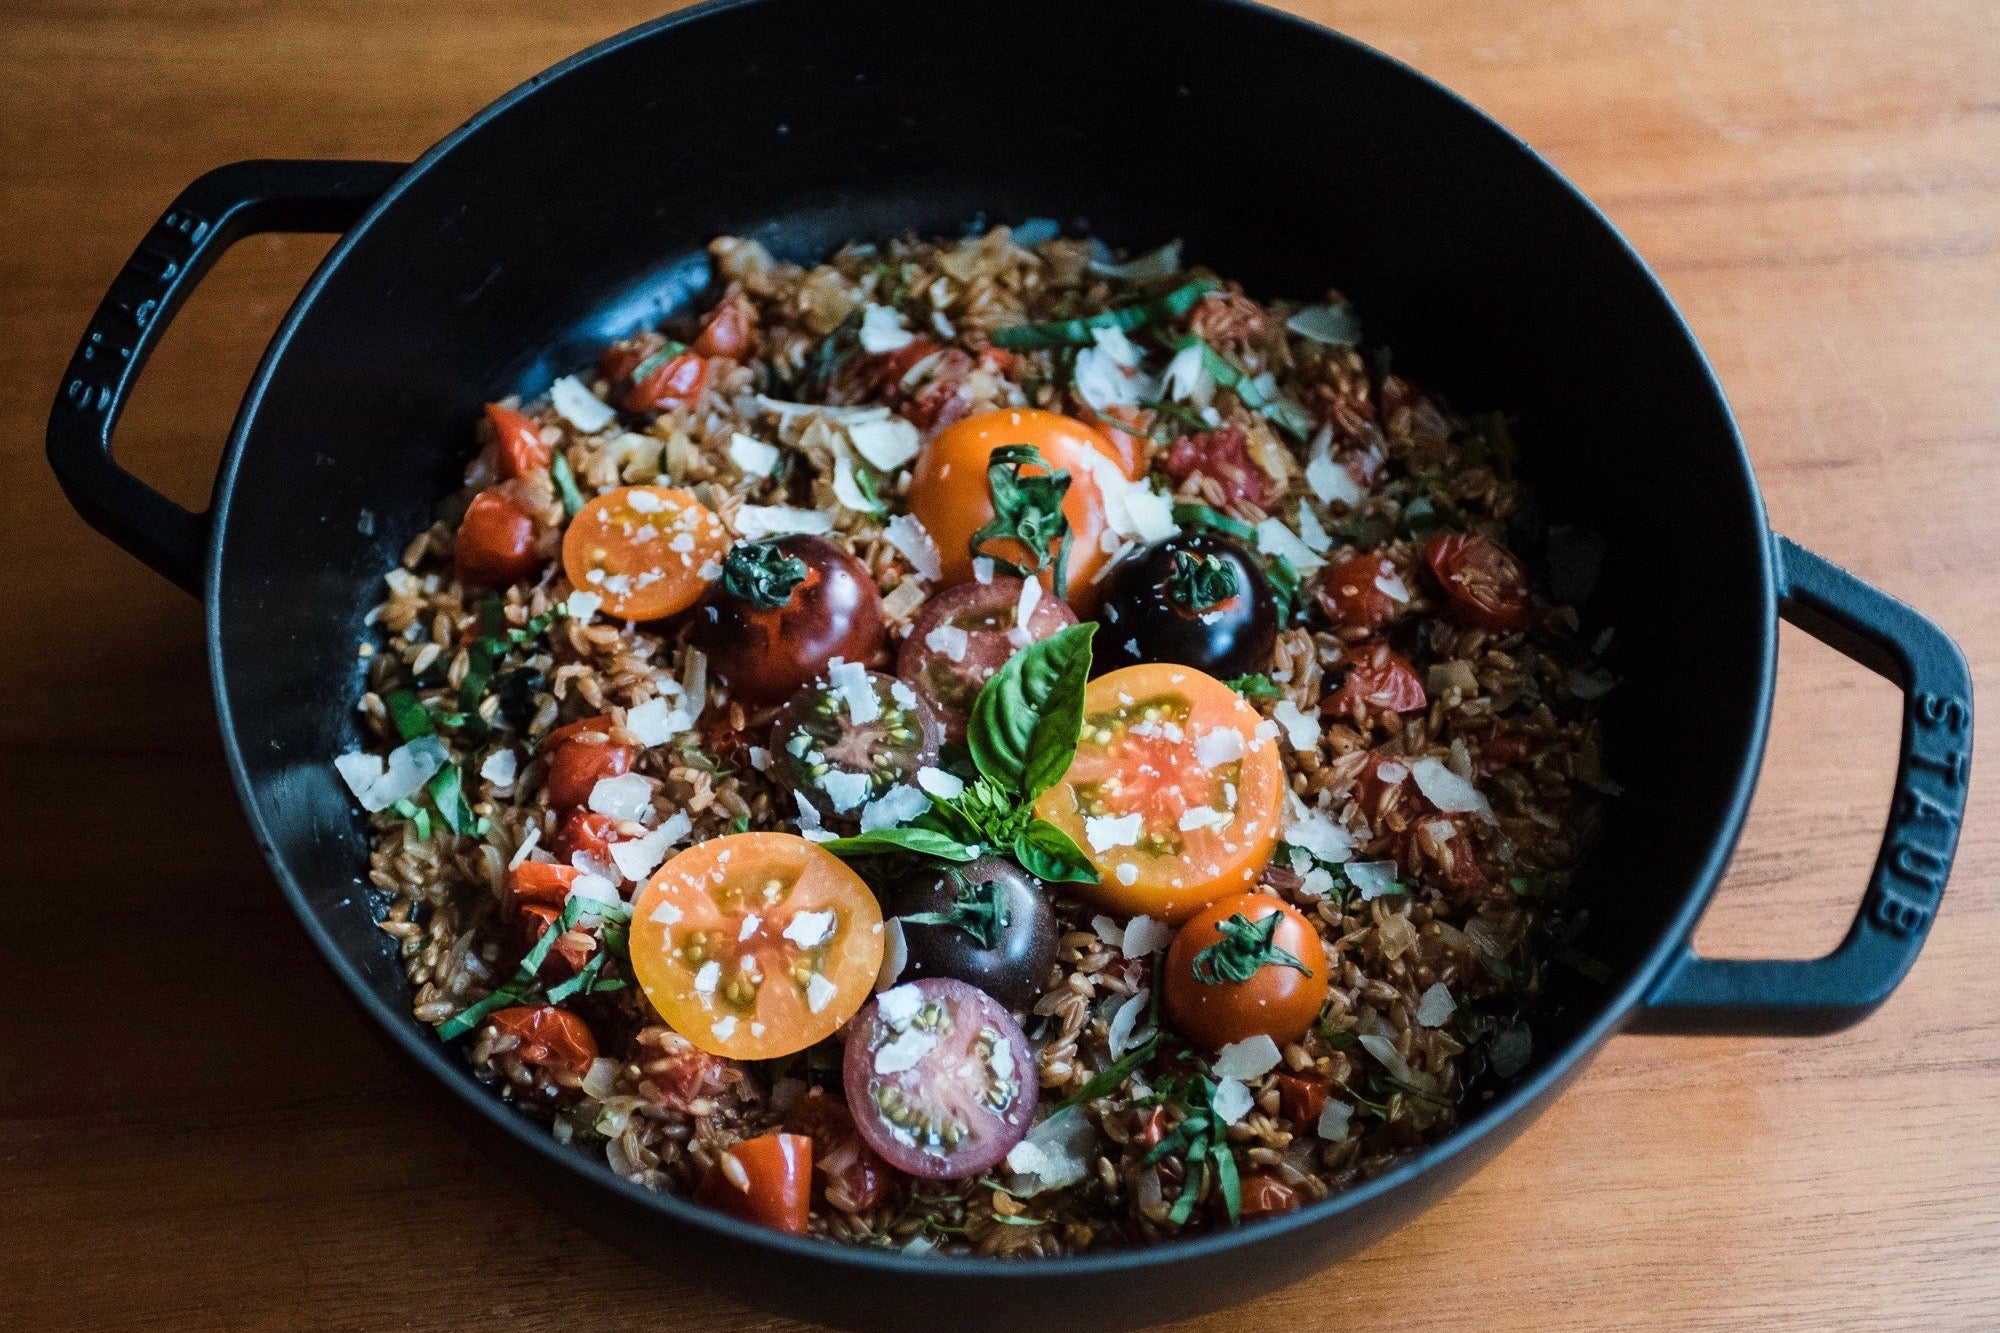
(218, 1146)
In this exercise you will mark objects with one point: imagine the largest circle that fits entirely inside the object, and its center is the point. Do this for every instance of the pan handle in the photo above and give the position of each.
(1801, 998)
(217, 210)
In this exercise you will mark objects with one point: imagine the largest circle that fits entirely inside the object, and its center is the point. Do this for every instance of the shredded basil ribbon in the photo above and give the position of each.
(524, 983)
(762, 573)
(572, 498)
(1199, 582)
(1245, 948)
(1282, 412)
(645, 368)
(1082, 331)
(1029, 510)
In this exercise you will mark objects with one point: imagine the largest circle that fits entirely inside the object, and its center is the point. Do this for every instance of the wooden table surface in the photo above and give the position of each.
(192, 1139)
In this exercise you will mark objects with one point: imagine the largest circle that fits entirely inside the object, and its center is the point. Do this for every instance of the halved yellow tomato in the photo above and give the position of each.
(1175, 793)
(648, 551)
(951, 496)
(756, 945)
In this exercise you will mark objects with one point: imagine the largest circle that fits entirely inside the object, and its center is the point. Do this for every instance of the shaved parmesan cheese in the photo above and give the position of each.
(654, 722)
(756, 458)
(1055, 1155)
(1320, 836)
(949, 640)
(899, 805)
(809, 826)
(581, 605)
(627, 796)
(819, 992)
(846, 489)
(809, 930)
(982, 569)
(1144, 935)
(897, 1007)
(527, 847)
(1250, 1058)
(1392, 1060)
(1301, 730)
(851, 681)
(1448, 791)
(788, 412)
(579, 406)
(895, 954)
(1161, 263)
(1128, 874)
(1231, 1101)
(846, 790)
(882, 330)
(1107, 375)
(1316, 883)
(642, 856)
(1122, 1036)
(1107, 930)
(1436, 1005)
(913, 542)
(1333, 1121)
(501, 768)
(1218, 746)
(1031, 593)
(888, 444)
(1310, 531)
(1372, 879)
(1201, 817)
(945, 786)
(1104, 832)
(378, 785)
(1328, 480)
(1333, 325)
(707, 977)
(755, 521)
(1187, 379)
(1391, 585)
(667, 915)
(1275, 539)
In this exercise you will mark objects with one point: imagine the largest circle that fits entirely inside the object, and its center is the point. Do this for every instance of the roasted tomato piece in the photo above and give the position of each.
(1301, 1098)
(677, 1074)
(940, 1079)
(1379, 679)
(540, 882)
(1175, 792)
(731, 328)
(852, 1176)
(675, 381)
(951, 492)
(1249, 965)
(852, 740)
(517, 441)
(1197, 599)
(755, 945)
(984, 923)
(554, 1039)
(495, 545)
(588, 832)
(648, 551)
(1386, 794)
(1264, 1195)
(580, 755)
(1363, 592)
(785, 608)
(568, 952)
(1223, 456)
(766, 1180)
(1486, 585)
(967, 633)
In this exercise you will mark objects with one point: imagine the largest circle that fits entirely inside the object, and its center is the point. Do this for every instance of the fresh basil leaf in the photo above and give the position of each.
(1048, 853)
(565, 479)
(447, 791)
(1026, 719)
(1190, 515)
(923, 841)
(408, 713)
(1257, 685)
(1111, 1077)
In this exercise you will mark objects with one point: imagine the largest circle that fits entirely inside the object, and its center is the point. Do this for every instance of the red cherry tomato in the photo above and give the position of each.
(1486, 584)
(567, 953)
(766, 1180)
(496, 542)
(676, 383)
(1283, 982)
(731, 329)
(1380, 680)
(517, 441)
(588, 832)
(1223, 456)
(553, 1038)
(1352, 596)
(540, 882)
(579, 755)
(767, 653)
(892, 366)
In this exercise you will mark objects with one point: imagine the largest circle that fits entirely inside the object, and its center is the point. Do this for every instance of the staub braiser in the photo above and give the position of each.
(1284, 154)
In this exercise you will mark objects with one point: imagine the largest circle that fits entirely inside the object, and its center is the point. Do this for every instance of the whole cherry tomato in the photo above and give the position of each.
(731, 328)
(588, 832)
(1247, 965)
(496, 542)
(784, 609)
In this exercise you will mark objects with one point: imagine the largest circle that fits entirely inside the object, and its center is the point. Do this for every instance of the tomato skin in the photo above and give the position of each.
(1278, 1001)
(767, 654)
(1380, 679)
(1143, 623)
(1265, 1195)
(575, 766)
(731, 329)
(766, 1180)
(588, 832)
(1486, 585)
(569, 951)
(1223, 456)
(553, 1038)
(517, 441)
(1301, 1098)
(951, 496)
(677, 383)
(850, 1175)
(540, 882)
(496, 542)
(728, 901)
(1351, 599)
(1128, 763)
(621, 545)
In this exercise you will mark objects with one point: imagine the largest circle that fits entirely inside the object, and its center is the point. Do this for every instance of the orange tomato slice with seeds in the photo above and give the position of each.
(648, 551)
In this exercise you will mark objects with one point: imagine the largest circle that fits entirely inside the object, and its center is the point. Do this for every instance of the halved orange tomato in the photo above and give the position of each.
(648, 551)
(1175, 793)
(951, 496)
(756, 945)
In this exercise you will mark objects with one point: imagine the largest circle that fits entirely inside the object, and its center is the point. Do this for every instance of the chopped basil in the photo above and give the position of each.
(572, 498)
(1245, 949)
(1286, 591)
(1201, 516)
(762, 573)
(416, 814)
(1027, 510)
(1199, 582)
(1201, 1137)
(1255, 686)
(645, 369)
(1110, 1078)
(1082, 332)
(525, 981)
(1180, 412)
(1282, 412)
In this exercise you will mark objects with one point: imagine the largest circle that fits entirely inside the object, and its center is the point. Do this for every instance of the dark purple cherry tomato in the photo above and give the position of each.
(940, 1078)
(984, 923)
(784, 609)
(849, 739)
(967, 633)
(1197, 599)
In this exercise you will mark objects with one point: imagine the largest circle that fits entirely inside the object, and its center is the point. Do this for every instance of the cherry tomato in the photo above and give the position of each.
(755, 945)
(967, 633)
(588, 832)
(1264, 1195)
(784, 609)
(1486, 585)
(986, 924)
(1223, 456)
(1174, 793)
(951, 496)
(1379, 679)
(940, 1079)
(647, 550)
(517, 441)
(567, 953)
(678, 1074)
(553, 1038)
(1359, 593)
(579, 755)
(1301, 1097)
(540, 882)
(843, 744)
(496, 542)
(1229, 977)
(851, 1176)
(766, 1180)
(1197, 599)
(676, 382)
(731, 329)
